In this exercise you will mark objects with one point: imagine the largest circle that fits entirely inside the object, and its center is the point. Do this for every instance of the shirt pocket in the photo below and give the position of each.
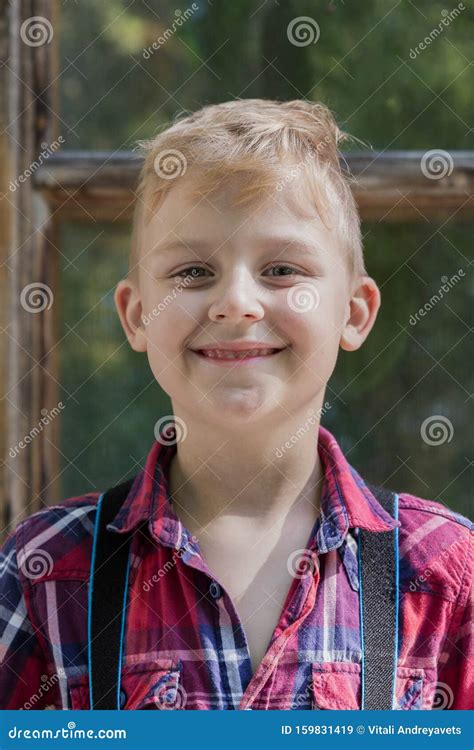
(154, 684)
(337, 686)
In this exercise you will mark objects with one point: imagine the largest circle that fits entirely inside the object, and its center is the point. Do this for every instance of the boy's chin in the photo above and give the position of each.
(243, 406)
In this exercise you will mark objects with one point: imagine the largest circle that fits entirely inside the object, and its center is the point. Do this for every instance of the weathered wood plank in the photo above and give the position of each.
(390, 186)
(30, 390)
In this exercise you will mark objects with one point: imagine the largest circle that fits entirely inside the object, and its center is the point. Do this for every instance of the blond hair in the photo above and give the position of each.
(259, 140)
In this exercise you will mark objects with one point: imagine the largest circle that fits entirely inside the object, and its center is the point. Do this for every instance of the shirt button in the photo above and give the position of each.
(123, 698)
(215, 590)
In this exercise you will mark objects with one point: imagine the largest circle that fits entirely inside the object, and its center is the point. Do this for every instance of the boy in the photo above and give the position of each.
(243, 586)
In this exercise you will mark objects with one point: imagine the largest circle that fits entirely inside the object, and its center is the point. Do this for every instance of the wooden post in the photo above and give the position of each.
(29, 65)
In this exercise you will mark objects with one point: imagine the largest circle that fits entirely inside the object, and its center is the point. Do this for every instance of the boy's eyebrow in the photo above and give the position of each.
(279, 244)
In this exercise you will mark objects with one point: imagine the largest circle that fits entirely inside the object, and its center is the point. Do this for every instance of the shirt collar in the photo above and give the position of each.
(346, 501)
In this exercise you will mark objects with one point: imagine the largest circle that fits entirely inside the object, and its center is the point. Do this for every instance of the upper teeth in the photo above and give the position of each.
(220, 354)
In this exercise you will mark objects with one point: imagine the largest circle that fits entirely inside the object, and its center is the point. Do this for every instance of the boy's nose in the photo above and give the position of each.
(235, 299)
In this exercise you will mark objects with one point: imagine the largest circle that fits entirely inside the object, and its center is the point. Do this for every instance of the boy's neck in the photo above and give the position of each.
(214, 477)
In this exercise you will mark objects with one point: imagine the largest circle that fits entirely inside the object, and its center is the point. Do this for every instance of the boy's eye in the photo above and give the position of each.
(192, 271)
(288, 268)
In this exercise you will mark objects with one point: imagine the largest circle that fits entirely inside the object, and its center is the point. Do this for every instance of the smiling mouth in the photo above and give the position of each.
(233, 357)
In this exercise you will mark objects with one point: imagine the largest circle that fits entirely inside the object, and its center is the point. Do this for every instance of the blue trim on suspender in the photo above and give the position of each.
(397, 598)
(89, 606)
(361, 613)
(122, 632)
(361, 617)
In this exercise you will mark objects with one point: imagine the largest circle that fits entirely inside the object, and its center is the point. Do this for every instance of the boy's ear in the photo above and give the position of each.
(363, 308)
(129, 308)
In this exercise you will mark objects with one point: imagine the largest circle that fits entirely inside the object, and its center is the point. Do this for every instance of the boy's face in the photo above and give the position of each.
(250, 274)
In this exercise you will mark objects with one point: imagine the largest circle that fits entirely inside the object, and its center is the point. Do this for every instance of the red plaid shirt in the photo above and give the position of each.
(185, 646)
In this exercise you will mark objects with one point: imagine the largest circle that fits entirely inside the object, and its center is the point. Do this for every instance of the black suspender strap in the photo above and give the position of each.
(378, 579)
(107, 601)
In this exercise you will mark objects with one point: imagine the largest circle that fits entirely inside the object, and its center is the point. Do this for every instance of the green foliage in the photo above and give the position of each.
(361, 66)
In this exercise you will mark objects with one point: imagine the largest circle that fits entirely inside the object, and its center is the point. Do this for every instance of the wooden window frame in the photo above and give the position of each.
(99, 186)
